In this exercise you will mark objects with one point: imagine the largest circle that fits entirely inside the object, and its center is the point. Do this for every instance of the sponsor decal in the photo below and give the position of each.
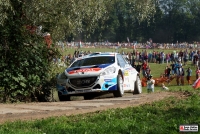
(84, 70)
(126, 85)
(109, 77)
(126, 79)
(112, 83)
(130, 69)
(101, 80)
(126, 73)
(107, 80)
(84, 81)
(104, 65)
(89, 67)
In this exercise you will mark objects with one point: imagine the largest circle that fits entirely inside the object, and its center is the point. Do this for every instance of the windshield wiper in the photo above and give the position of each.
(94, 66)
(76, 68)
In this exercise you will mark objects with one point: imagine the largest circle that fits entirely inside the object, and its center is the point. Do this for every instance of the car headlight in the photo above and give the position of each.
(108, 71)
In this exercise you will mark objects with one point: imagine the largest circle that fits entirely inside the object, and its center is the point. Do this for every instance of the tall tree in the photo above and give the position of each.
(25, 59)
(122, 16)
(179, 20)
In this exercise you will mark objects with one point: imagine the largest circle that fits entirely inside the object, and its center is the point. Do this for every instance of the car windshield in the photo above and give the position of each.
(94, 61)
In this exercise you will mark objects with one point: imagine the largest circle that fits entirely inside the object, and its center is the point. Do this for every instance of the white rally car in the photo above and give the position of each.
(98, 72)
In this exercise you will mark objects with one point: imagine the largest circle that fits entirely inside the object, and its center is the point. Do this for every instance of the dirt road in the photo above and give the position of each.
(31, 111)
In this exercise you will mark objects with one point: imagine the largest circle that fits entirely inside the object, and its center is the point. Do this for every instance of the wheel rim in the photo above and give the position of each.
(121, 85)
(139, 84)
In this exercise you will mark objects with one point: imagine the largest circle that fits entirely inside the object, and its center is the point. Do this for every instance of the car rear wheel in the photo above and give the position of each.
(120, 90)
(64, 97)
(138, 86)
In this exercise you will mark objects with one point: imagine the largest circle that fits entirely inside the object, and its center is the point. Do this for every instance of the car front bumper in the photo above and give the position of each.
(83, 85)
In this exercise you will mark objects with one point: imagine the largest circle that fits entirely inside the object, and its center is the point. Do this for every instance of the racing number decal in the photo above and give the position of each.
(126, 73)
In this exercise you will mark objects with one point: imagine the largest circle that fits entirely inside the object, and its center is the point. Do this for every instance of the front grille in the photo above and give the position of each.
(83, 82)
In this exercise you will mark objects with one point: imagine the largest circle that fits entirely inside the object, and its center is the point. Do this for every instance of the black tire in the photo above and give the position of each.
(120, 91)
(138, 86)
(88, 97)
(64, 97)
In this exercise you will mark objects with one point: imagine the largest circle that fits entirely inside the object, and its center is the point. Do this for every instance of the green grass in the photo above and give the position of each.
(161, 117)
(71, 51)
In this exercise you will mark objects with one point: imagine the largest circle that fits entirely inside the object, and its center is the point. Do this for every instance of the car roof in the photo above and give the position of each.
(98, 54)
(102, 54)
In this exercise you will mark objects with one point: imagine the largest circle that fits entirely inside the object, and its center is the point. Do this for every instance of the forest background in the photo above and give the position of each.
(26, 70)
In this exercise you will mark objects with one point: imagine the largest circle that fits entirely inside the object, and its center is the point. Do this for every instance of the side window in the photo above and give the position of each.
(121, 61)
(126, 59)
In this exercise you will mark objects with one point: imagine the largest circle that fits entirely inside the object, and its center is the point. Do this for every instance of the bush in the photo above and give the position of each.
(24, 72)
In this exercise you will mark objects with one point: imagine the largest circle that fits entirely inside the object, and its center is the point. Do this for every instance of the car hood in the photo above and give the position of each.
(86, 70)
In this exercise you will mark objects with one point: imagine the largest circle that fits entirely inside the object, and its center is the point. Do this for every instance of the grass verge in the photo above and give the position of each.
(163, 116)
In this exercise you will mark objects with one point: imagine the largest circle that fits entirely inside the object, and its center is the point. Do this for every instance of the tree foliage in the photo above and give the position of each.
(121, 17)
(26, 61)
(175, 20)
(163, 21)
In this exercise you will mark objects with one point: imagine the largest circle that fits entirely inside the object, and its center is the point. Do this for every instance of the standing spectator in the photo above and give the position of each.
(172, 68)
(150, 56)
(189, 74)
(167, 58)
(138, 67)
(137, 55)
(180, 55)
(133, 59)
(140, 56)
(179, 63)
(172, 57)
(163, 57)
(154, 57)
(148, 71)
(185, 58)
(176, 65)
(72, 59)
(167, 74)
(129, 56)
(197, 73)
(75, 53)
(145, 56)
(144, 66)
(191, 55)
(195, 59)
(176, 56)
(158, 58)
(150, 84)
(180, 75)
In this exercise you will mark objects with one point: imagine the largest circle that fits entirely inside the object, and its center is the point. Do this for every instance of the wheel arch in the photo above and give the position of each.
(120, 72)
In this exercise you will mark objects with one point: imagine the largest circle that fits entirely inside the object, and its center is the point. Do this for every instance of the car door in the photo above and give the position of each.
(125, 69)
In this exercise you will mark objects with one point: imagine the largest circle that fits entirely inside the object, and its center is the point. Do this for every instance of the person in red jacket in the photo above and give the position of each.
(144, 66)
(197, 73)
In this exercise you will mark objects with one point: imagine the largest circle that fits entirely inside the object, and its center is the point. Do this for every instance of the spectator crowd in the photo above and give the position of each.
(176, 60)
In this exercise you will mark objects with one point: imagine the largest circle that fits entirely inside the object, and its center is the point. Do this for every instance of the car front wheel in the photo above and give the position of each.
(64, 97)
(120, 90)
